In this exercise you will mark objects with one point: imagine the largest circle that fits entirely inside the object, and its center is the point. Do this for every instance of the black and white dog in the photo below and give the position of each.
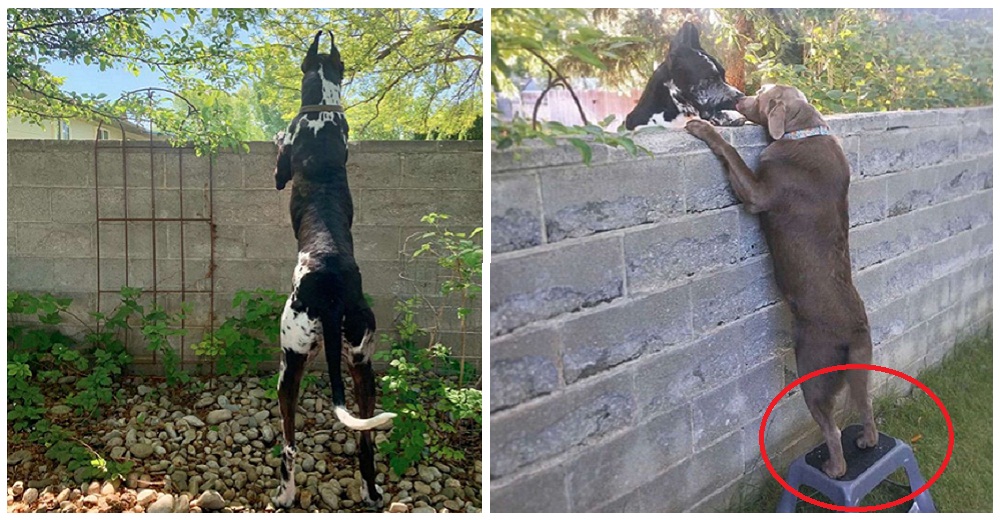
(326, 308)
(689, 84)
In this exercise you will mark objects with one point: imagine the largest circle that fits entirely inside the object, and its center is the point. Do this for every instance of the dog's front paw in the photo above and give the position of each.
(702, 130)
(285, 498)
(868, 439)
(279, 138)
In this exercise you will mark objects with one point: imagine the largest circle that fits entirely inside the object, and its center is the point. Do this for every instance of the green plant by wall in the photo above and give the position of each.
(430, 408)
(243, 342)
(462, 257)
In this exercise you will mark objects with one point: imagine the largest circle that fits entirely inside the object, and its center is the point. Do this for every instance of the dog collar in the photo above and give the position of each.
(320, 108)
(807, 132)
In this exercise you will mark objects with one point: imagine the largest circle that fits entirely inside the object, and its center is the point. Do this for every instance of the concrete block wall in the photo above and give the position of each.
(637, 335)
(53, 238)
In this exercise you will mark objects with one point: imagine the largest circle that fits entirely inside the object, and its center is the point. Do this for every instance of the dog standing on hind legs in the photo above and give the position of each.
(800, 192)
(326, 308)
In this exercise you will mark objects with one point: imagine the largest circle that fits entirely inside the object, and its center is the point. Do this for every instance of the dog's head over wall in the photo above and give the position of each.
(689, 83)
(314, 148)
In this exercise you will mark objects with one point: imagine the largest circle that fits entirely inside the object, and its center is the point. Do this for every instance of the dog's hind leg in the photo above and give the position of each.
(292, 368)
(820, 396)
(857, 381)
(300, 339)
(359, 345)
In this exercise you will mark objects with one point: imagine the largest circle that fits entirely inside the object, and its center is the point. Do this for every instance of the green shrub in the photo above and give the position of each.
(243, 342)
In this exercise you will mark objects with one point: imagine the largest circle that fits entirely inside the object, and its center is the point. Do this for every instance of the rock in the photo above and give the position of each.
(397, 507)
(146, 496)
(17, 489)
(94, 488)
(350, 447)
(182, 504)
(91, 500)
(308, 463)
(211, 500)
(60, 409)
(118, 452)
(62, 496)
(204, 401)
(422, 488)
(141, 450)
(164, 504)
(305, 498)
(239, 438)
(424, 509)
(18, 456)
(266, 433)
(30, 496)
(452, 483)
(405, 485)
(180, 478)
(321, 466)
(261, 416)
(193, 421)
(218, 416)
(453, 505)
(330, 494)
(143, 390)
(428, 473)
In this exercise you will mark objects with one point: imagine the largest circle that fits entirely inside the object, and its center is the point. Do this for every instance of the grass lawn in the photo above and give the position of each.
(964, 383)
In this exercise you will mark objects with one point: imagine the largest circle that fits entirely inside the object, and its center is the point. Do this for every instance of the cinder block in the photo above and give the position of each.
(878, 242)
(621, 464)
(764, 334)
(866, 201)
(58, 166)
(891, 152)
(536, 154)
(227, 172)
(52, 240)
(523, 367)
(548, 427)
(374, 242)
(544, 284)
(596, 341)
(275, 242)
(936, 145)
(958, 179)
(630, 502)
(659, 256)
(236, 275)
(851, 145)
(911, 190)
(695, 477)
(751, 237)
(405, 207)
(977, 138)
(671, 378)
(664, 141)
(374, 170)
(853, 124)
(911, 118)
(199, 172)
(246, 207)
(730, 294)
(725, 409)
(27, 204)
(984, 170)
(258, 169)
(442, 170)
(580, 201)
(516, 213)
(890, 320)
(73, 205)
(705, 184)
(540, 492)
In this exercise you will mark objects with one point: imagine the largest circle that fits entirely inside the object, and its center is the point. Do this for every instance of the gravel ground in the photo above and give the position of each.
(213, 451)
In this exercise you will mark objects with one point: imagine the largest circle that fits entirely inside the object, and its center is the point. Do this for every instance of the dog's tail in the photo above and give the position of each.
(352, 422)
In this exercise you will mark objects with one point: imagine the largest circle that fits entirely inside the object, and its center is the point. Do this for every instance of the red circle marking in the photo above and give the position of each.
(856, 509)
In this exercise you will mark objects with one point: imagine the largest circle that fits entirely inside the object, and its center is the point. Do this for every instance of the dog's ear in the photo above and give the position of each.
(334, 51)
(776, 118)
(310, 60)
(686, 37)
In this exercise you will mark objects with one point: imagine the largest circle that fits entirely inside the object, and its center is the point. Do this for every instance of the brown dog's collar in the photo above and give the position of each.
(320, 108)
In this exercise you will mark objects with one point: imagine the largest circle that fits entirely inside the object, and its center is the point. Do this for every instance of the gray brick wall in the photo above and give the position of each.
(637, 334)
(53, 239)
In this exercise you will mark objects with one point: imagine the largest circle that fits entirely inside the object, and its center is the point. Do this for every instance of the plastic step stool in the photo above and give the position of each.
(865, 470)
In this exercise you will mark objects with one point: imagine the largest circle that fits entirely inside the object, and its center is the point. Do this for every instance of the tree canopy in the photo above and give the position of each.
(231, 75)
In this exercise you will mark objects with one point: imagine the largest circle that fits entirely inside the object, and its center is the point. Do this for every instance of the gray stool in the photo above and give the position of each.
(865, 470)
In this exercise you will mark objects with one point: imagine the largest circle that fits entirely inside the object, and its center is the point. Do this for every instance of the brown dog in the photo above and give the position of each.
(800, 193)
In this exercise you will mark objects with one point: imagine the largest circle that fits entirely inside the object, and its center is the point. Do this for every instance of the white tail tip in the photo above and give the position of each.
(354, 423)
